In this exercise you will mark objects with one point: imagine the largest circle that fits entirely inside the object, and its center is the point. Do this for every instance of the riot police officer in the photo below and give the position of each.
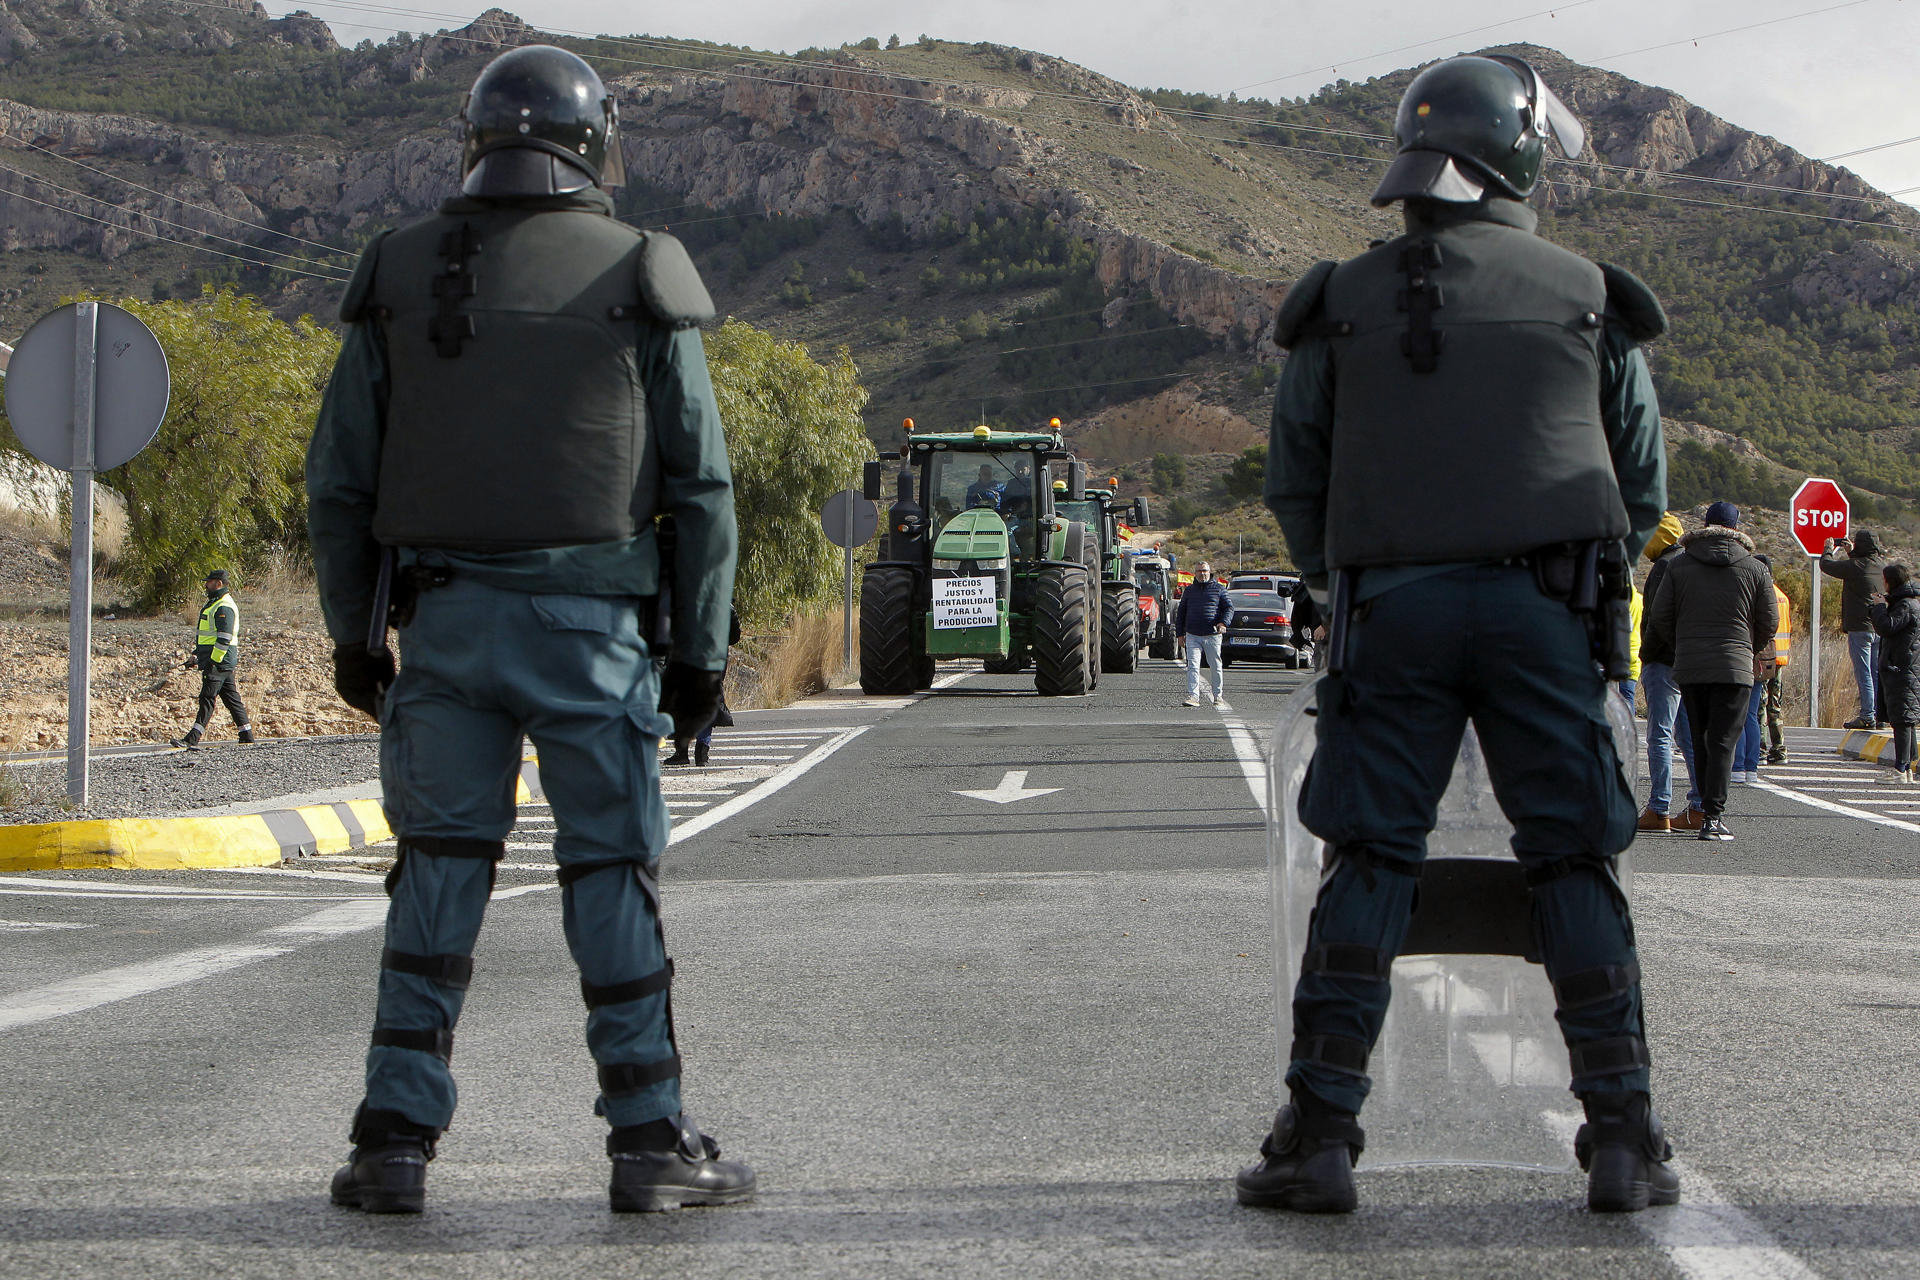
(1464, 429)
(520, 392)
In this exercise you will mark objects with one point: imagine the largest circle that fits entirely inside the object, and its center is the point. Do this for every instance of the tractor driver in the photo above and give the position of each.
(984, 492)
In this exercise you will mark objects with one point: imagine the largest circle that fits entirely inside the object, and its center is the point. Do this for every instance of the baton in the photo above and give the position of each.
(1339, 606)
(382, 600)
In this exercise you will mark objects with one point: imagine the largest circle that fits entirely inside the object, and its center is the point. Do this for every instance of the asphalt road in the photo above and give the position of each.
(955, 1037)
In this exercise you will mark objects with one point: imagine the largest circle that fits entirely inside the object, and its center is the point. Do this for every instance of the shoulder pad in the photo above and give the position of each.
(359, 295)
(671, 283)
(1632, 304)
(1301, 303)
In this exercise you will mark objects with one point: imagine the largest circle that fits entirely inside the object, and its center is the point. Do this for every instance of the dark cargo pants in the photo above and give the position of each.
(1479, 644)
(480, 667)
(219, 686)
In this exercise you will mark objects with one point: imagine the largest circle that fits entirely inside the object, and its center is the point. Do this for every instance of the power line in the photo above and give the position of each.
(130, 214)
(258, 226)
(1878, 146)
(1418, 44)
(1751, 26)
(154, 235)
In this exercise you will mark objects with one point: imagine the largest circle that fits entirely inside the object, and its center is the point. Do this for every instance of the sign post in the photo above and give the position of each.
(86, 390)
(1819, 512)
(849, 520)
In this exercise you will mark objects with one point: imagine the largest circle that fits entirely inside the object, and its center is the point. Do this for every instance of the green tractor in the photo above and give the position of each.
(978, 563)
(1103, 511)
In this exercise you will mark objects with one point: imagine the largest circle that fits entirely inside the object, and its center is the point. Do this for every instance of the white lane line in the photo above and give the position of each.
(1706, 1236)
(108, 986)
(778, 782)
(211, 895)
(1831, 807)
(141, 890)
(1253, 762)
(33, 926)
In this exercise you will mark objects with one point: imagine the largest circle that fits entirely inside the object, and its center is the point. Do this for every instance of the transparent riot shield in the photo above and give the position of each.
(1470, 1067)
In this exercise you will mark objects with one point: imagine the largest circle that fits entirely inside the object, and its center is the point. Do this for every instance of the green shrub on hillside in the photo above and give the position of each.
(794, 437)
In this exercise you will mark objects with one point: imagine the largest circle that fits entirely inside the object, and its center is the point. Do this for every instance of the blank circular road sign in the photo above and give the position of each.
(833, 518)
(131, 386)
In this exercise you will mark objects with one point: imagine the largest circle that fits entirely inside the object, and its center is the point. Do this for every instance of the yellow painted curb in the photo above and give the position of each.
(1863, 744)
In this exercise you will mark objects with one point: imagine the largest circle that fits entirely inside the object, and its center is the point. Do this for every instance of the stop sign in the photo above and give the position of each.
(1819, 512)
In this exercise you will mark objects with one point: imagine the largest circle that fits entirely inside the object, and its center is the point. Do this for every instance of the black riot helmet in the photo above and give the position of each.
(543, 99)
(1473, 123)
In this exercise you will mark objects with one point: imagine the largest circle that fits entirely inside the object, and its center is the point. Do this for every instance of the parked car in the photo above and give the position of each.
(1277, 581)
(1260, 629)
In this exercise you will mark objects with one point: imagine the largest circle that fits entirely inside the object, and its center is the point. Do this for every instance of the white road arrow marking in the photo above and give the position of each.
(1012, 787)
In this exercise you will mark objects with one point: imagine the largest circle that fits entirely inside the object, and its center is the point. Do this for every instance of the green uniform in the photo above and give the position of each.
(512, 435)
(1428, 450)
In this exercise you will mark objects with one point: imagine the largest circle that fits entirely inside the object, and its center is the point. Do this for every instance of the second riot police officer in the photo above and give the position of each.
(1466, 456)
(520, 393)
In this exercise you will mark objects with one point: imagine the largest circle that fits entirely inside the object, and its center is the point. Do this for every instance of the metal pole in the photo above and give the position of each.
(80, 594)
(1813, 651)
(846, 612)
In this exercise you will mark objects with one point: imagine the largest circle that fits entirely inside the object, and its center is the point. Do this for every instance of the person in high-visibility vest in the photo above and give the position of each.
(1782, 644)
(216, 653)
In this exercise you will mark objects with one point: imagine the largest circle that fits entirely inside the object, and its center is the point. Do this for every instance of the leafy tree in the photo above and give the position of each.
(795, 437)
(220, 486)
(1246, 479)
(1169, 471)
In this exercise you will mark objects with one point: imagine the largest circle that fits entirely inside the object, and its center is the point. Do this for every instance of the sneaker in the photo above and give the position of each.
(1898, 778)
(1653, 820)
(690, 1173)
(1192, 702)
(1714, 829)
(1750, 776)
(1220, 704)
(1690, 820)
(1859, 722)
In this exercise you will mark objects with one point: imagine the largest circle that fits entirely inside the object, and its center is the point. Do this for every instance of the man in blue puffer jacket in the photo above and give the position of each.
(1197, 625)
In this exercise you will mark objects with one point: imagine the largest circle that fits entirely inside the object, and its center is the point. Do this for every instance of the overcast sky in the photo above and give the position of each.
(1828, 77)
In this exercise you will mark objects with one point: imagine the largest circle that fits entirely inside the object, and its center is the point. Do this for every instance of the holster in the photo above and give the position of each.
(1594, 581)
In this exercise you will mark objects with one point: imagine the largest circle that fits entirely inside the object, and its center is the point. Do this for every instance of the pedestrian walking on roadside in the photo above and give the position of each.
(1715, 608)
(1198, 624)
(723, 718)
(1782, 652)
(1857, 561)
(1666, 714)
(1896, 620)
(1746, 757)
(216, 654)
(1464, 425)
(521, 390)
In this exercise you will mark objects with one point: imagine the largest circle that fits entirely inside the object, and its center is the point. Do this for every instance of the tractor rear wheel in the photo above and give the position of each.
(1119, 629)
(1003, 666)
(1061, 633)
(887, 658)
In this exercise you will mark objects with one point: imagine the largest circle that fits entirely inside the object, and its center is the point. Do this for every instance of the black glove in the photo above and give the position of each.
(191, 664)
(691, 696)
(360, 678)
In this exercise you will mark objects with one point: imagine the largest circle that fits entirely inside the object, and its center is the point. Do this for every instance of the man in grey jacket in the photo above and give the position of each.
(1858, 563)
(1715, 611)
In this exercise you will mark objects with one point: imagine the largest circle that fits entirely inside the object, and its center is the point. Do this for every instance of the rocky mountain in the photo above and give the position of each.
(990, 230)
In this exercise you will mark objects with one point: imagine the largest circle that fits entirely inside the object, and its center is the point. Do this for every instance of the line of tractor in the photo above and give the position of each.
(996, 547)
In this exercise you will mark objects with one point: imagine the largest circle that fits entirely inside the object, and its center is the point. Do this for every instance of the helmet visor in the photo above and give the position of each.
(613, 168)
(1428, 175)
(1552, 118)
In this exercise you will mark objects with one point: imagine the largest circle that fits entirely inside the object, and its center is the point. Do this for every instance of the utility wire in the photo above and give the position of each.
(154, 235)
(130, 214)
(1710, 35)
(1878, 146)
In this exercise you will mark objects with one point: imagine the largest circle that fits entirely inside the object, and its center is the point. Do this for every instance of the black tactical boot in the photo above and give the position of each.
(679, 755)
(387, 1172)
(701, 752)
(1306, 1162)
(1624, 1150)
(670, 1164)
(246, 735)
(190, 739)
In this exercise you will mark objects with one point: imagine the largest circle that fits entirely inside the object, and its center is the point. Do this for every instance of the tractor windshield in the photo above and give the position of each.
(1003, 482)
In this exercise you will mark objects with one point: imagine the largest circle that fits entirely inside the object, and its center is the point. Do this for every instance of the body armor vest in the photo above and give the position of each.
(1467, 422)
(516, 416)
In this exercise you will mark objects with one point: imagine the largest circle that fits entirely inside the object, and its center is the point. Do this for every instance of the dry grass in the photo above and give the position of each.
(1839, 697)
(804, 659)
(282, 585)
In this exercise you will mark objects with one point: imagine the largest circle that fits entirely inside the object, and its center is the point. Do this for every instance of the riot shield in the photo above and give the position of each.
(1470, 1066)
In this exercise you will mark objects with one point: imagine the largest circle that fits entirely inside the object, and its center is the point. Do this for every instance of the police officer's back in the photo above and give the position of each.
(521, 390)
(1465, 457)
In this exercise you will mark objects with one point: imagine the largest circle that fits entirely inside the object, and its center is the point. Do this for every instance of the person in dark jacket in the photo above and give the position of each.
(1715, 610)
(1857, 562)
(1197, 626)
(1666, 715)
(1896, 621)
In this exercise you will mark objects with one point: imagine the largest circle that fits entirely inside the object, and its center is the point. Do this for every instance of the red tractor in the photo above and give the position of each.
(1155, 583)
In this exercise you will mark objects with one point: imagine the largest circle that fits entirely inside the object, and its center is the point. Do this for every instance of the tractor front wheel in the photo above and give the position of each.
(1061, 634)
(888, 662)
(1119, 629)
(1162, 644)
